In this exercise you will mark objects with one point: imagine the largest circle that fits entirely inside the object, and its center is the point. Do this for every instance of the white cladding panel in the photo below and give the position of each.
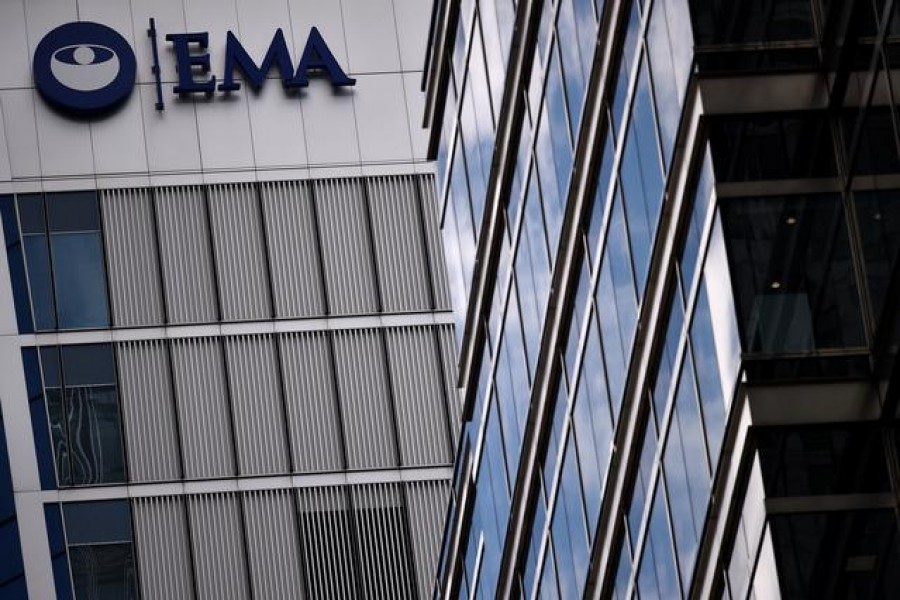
(381, 43)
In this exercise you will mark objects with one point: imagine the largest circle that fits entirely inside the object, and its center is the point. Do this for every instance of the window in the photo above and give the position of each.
(878, 219)
(64, 259)
(101, 556)
(771, 147)
(761, 21)
(822, 459)
(83, 408)
(792, 274)
(838, 555)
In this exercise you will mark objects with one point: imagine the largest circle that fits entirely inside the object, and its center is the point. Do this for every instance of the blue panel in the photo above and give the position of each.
(16, 264)
(38, 410)
(37, 254)
(12, 570)
(58, 552)
(80, 278)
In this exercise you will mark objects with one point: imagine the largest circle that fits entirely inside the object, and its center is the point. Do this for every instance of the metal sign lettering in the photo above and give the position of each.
(88, 69)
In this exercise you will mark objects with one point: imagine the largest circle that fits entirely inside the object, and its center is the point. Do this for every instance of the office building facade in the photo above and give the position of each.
(673, 225)
(226, 344)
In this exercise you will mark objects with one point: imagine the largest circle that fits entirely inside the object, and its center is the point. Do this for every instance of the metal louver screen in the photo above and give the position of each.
(296, 266)
(129, 232)
(273, 545)
(240, 251)
(326, 526)
(447, 347)
(151, 430)
(427, 509)
(378, 540)
(218, 545)
(365, 399)
(418, 396)
(346, 246)
(436, 257)
(163, 552)
(203, 408)
(399, 247)
(311, 401)
(186, 255)
(385, 554)
(251, 251)
(259, 425)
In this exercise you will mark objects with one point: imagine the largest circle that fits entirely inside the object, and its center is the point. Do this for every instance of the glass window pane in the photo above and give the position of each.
(570, 499)
(73, 211)
(878, 143)
(572, 61)
(80, 277)
(92, 364)
(642, 179)
(822, 460)
(761, 21)
(593, 424)
(613, 349)
(104, 572)
(657, 577)
(792, 273)
(31, 213)
(709, 383)
(37, 260)
(622, 275)
(667, 361)
(662, 69)
(102, 522)
(59, 435)
(878, 216)
(772, 146)
(814, 561)
(687, 476)
(95, 437)
(548, 588)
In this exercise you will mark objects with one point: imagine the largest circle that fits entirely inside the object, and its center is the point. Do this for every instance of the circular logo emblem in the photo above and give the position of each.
(86, 68)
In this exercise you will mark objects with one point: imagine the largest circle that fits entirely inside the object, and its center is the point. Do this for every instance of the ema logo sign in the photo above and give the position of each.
(84, 68)
(87, 68)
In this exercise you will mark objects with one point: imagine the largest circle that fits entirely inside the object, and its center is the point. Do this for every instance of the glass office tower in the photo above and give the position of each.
(226, 345)
(673, 229)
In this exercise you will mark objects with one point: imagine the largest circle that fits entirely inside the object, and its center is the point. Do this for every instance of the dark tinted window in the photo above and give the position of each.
(837, 555)
(818, 460)
(877, 152)
(73, 211)
(727, 21)
(792, 275)
(878, 218)
(31, 213)
(84, 414)
(100, 549)
(97, 522)
(772, 146)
